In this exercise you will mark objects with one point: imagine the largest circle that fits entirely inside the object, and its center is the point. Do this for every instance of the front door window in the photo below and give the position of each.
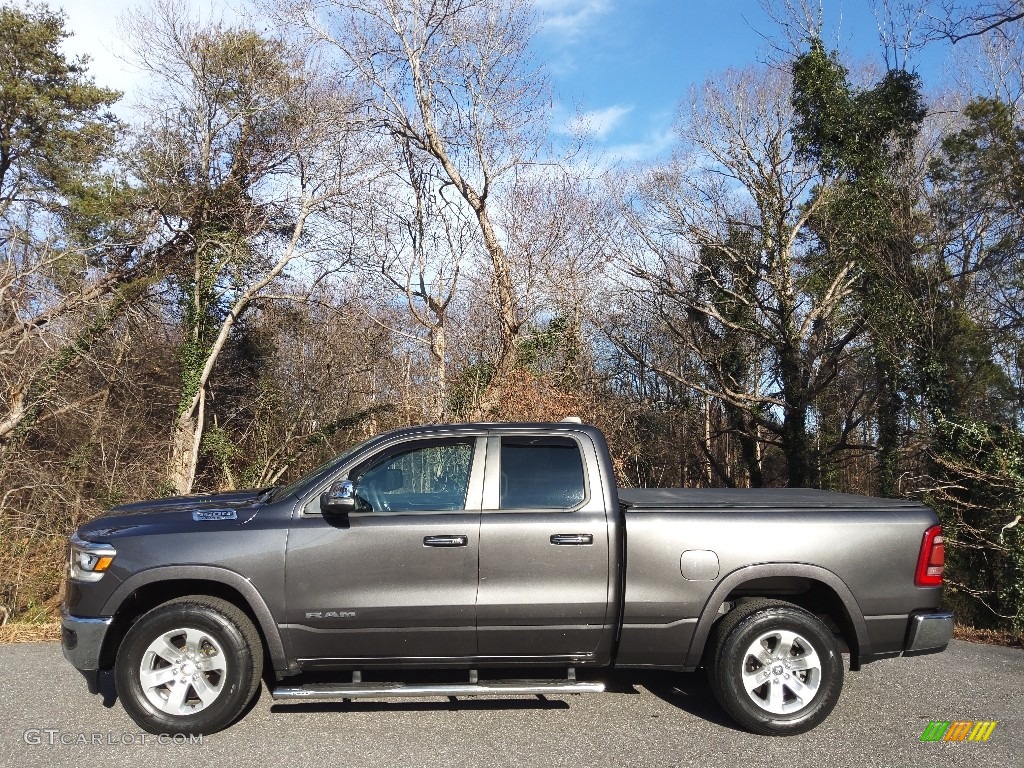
(433, 477)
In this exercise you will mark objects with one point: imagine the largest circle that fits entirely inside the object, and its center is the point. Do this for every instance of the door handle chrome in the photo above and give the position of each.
(445, 541)
(572, 538)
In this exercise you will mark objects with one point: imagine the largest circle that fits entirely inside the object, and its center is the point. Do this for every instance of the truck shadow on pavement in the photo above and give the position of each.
(688, 691)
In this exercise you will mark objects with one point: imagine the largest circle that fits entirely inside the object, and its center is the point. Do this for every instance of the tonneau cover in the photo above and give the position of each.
(753, 498)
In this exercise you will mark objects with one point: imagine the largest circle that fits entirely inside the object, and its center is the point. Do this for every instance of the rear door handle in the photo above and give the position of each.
(564, 539)
(445, 541)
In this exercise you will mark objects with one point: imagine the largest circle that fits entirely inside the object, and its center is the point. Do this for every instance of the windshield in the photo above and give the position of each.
(312, 479)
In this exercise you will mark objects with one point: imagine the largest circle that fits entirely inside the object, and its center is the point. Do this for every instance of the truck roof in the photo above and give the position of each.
(499, 428)
(470, 426)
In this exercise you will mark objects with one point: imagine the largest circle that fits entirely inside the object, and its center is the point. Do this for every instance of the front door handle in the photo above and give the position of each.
(445, 541)
(564, 539)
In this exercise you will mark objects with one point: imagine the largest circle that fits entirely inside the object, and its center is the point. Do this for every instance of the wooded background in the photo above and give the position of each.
(354, 216)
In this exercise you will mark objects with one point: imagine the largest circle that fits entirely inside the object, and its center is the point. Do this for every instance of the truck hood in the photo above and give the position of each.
(216, 509)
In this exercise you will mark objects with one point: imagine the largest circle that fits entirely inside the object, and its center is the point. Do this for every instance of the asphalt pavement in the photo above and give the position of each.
(48, 718)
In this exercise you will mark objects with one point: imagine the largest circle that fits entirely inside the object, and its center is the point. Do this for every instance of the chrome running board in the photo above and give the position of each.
(389, 690)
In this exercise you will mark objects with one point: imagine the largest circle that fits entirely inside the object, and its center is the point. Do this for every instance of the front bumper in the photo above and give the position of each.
(82, 641)
(928, 633)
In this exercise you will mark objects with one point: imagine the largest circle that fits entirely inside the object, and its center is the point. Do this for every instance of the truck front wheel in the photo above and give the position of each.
(775, 668)
(189, 666)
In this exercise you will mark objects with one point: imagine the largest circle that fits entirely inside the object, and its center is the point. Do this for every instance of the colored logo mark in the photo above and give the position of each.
(958, 730)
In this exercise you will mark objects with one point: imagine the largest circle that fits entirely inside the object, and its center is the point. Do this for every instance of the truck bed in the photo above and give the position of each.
(688, 548)
(753, 498)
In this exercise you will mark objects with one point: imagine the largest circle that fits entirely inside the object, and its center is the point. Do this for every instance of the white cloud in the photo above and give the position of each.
(95, 34)
(98, 34)
(569, 18)
(597, 123)
(651, 147)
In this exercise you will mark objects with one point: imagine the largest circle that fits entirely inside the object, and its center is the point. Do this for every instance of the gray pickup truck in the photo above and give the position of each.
(492, 559)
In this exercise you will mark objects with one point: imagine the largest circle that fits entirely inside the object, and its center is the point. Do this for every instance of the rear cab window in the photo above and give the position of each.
(541, 473)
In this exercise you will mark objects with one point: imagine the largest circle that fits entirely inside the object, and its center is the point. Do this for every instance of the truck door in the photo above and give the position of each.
(544, 563)
(396, 578)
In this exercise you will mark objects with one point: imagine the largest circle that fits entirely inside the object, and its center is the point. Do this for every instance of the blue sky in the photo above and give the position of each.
(629, 63)
(626, 64)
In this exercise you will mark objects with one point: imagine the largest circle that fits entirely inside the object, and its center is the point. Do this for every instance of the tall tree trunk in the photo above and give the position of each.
(187, 432)
(506, 307)
(438, 349)
(797, 447)
(186, 437)
(745, 430)
(796, 443)
(889, 408)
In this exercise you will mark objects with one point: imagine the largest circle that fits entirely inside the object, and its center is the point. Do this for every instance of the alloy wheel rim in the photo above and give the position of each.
(183, 671)
(781, 672)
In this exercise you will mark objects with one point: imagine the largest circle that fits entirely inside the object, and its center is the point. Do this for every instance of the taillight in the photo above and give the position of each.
(932, 559)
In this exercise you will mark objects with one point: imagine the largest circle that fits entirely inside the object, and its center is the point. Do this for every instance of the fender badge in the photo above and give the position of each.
(214, 514)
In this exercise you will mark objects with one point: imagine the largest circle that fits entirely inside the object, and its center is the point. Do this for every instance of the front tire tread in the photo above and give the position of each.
(236, 633)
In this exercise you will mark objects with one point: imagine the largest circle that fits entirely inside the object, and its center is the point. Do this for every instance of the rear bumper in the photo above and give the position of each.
(928, 633)
(82, 640)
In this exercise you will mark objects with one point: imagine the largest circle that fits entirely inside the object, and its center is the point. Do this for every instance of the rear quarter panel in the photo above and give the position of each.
(872, 552)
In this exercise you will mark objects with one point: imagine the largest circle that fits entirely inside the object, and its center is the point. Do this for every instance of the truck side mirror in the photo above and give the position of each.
(339, 498)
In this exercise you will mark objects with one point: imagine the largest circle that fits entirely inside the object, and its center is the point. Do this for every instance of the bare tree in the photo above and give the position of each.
(562, 225)
(956, 20)
(248, 154)
(452, 78)
(721, 260)
(418, 239)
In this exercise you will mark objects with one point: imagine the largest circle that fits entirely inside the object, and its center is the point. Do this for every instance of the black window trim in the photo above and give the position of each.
(494, 477)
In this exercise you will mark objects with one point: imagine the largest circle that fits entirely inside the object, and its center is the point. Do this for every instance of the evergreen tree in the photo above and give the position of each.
(863, 140)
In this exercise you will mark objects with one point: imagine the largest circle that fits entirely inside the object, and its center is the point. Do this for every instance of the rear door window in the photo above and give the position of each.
(541, 473)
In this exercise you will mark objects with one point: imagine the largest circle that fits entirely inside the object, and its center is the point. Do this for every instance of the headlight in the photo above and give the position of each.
(88, 561)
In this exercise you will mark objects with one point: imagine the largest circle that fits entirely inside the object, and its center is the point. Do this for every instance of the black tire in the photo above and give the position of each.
(788, 653)
(204, 660)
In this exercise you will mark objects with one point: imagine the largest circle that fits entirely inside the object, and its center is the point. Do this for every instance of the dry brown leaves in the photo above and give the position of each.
(988, 636)
(30, 632)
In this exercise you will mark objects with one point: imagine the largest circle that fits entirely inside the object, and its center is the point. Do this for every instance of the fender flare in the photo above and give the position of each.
(254, 600)
(747, 573)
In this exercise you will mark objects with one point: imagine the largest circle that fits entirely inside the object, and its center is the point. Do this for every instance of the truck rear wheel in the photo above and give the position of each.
(189, 666)
(775, 668)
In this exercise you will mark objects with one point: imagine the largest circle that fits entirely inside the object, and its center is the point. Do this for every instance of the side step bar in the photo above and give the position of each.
(356, 690)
